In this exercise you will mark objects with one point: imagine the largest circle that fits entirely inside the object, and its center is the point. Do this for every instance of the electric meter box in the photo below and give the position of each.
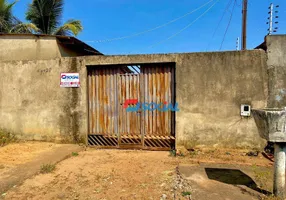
(245, 110)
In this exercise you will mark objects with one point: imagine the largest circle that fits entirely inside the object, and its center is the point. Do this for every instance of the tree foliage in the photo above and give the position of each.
(43, 16)
(46, 15)
(7, 19)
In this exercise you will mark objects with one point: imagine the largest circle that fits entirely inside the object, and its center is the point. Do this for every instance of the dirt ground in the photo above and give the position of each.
(16, 154)
(117, 174)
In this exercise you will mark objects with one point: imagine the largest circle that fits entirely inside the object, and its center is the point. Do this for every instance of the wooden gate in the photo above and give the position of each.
(148, 126)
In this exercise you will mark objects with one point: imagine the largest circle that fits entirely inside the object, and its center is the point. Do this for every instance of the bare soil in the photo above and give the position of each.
(119, 174)
(224, 156)
(16, 154)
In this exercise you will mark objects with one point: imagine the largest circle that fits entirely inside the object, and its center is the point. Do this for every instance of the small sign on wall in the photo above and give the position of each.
(70, 80)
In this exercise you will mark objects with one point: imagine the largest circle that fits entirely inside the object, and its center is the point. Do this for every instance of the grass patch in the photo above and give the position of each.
(6, 137)
(261, 177)
(184, 194)
(47, 168)
(74, 153)
(193, 153)
(172, 153)
(180, 154)
(271, 197)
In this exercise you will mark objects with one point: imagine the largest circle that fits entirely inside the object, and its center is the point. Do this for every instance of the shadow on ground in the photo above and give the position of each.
(233, 177)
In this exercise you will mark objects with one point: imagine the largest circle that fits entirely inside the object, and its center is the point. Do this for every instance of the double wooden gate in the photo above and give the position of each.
(111, 91)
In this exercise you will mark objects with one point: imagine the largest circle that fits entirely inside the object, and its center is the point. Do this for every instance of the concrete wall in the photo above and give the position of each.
(32, 47)
(33, 105)
(276, 62)
(209, 89)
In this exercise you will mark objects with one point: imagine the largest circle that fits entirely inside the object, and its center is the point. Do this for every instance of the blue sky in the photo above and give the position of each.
(107, 19)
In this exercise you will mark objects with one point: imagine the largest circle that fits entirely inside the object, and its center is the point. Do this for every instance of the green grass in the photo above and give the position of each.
(193, 153)
(184, 194)
(74, 153)
(6, 137)
(47, 168)
(270, 197)
(261, 178)
(172, 153)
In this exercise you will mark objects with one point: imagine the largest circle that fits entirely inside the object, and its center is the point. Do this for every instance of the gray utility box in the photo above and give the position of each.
(271, 124)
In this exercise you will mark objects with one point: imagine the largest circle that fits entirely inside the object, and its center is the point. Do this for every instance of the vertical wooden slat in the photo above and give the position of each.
(150, 94)
(111, 100)
(162, 83)
(173, 92)
(93, 91)
(99, 101)
(170, 100)
(166, 114)
(90, 102)
(107, 102)
(142, 99)
(103, 100)
(96, 101)
(120, 108)
(124, 111)
(158, 100)
(154, 120)
(139, 116)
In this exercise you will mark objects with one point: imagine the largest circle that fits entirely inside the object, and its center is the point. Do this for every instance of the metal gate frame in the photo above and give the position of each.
(148, 142)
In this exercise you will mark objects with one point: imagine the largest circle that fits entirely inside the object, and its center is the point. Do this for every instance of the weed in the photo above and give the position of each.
(47, 168)
(228, 159)
(74, 153)
(180, 153)
(184, 194)
(210, 151)
(97, 191)
(270, 197)
(143, 185)
(172, 153)
(6, 137)
(193, 153)
(261, 177)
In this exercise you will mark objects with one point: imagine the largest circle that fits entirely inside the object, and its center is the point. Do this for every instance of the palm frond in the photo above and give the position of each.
(10, 6)
(71, 27)
(45, 14)
(25, 28)
(6, 15)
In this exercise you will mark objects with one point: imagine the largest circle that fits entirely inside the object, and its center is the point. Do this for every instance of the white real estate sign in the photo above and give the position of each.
(70, 80)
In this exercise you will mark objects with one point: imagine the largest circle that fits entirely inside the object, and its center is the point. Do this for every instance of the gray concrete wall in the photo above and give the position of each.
(276, 62)
(209, 89)
(32, 47)
(33, 106)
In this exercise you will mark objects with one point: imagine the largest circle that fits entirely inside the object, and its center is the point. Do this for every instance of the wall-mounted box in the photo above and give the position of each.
(245, 110)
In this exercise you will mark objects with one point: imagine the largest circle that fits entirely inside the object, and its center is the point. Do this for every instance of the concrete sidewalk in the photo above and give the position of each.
(222, 182)
(29, 169)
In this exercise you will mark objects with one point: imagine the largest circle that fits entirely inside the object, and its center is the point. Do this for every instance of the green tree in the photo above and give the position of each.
(46, 15)
(9, 23)
(7, 20)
